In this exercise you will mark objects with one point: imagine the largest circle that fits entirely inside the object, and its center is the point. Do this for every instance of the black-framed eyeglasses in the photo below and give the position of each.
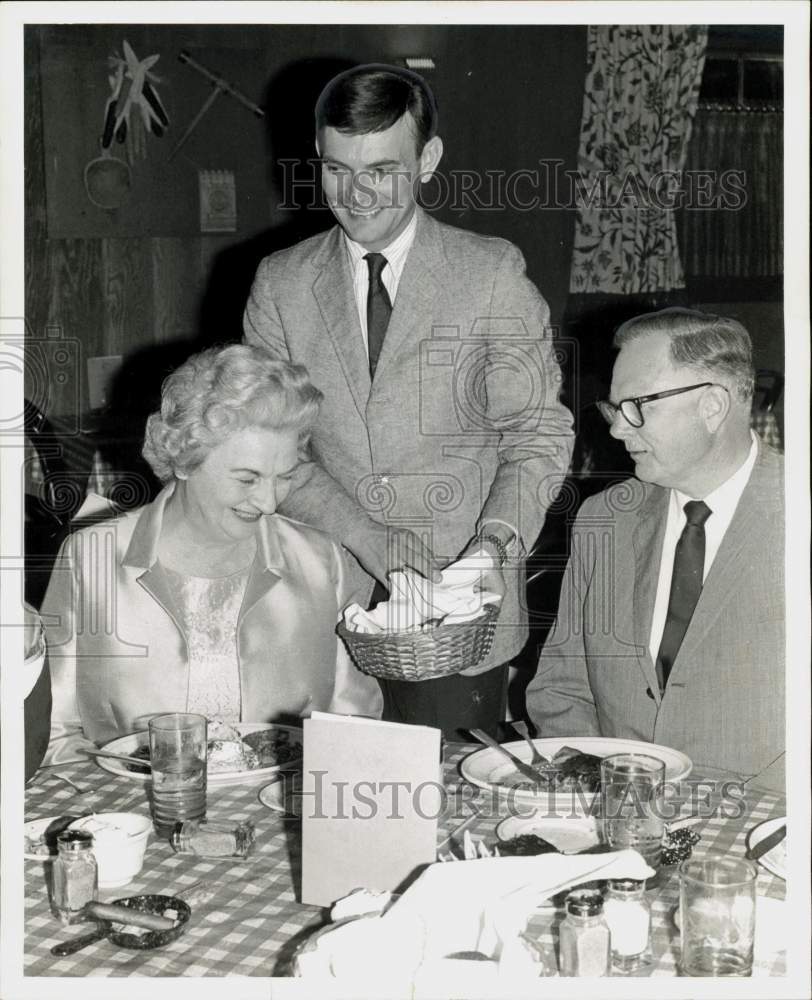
(631, 408)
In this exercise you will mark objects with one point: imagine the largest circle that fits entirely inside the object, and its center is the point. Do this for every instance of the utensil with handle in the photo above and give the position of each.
(522, 730)
(520, 765)
(764, 846)
(142, 762)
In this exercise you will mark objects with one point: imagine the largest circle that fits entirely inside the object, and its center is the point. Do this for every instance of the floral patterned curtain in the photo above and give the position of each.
(640, 97)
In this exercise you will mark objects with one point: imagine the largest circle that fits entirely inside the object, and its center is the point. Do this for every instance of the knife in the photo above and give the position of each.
(529, 772)
(763, 846)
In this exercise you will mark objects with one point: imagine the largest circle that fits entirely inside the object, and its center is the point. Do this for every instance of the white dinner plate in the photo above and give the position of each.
(34, 830)
(567, 836)
(775, 861)
(128, 744)
(281, 797)
(488, 768)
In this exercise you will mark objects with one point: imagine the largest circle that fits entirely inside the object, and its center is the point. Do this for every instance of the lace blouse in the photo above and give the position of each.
(209, 609)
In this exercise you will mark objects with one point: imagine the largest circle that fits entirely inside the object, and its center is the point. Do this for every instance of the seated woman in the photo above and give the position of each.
(205, 600)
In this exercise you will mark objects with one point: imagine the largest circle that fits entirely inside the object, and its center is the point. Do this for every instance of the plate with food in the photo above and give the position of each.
(237, 753)
(774, 860)
(572, 772)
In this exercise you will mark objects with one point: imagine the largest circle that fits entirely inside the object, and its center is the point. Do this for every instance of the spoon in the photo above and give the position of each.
(535, 776)
(522, 730)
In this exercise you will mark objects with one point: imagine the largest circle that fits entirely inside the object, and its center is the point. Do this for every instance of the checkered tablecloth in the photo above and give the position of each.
(248, 922)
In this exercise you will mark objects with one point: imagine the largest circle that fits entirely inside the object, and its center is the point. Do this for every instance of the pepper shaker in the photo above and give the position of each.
(584, 939)
(75, 876)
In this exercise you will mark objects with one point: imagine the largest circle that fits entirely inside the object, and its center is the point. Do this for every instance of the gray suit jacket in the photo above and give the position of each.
(462, 423)
(724, 703)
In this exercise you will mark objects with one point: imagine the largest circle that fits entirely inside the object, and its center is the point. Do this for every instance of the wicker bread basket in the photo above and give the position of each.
(419, 655)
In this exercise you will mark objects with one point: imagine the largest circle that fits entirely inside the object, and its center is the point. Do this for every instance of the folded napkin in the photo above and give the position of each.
(455, 909)
(415, 601)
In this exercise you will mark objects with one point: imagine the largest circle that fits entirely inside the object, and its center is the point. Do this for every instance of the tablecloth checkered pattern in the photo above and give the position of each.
(248, 923)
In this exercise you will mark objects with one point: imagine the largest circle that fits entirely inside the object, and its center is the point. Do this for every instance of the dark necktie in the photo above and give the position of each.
(686, 585)
(379, 308)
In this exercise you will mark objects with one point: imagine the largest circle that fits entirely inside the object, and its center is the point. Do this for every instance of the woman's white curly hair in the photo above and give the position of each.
(222, 390)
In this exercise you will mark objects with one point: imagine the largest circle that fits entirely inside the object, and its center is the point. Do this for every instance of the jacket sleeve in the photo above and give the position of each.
(59, 618)
(315, 497)
(355, 693)
(559, 698)
(522, 382)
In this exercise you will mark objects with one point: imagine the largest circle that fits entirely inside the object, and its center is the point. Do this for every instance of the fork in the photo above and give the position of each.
(522, 730)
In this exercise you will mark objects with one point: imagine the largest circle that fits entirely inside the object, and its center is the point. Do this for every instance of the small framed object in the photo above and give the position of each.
(218, 201)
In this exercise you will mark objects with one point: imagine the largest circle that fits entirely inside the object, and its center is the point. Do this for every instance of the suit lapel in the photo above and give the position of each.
(647, 540)
(754, 505)
(418, 288)
(333, 290)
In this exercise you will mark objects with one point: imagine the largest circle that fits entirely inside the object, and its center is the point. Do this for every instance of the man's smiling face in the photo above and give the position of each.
(370, 180)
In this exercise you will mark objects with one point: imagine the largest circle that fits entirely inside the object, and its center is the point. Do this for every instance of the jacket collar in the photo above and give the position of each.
(142, 552)
(414, 304)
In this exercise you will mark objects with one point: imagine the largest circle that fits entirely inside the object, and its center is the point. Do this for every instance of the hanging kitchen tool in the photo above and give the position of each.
(221, 86)
(108, 179)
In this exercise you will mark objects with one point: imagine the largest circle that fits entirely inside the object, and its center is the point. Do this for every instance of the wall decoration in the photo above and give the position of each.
(218, 201)
(145, 194)
(141, 95)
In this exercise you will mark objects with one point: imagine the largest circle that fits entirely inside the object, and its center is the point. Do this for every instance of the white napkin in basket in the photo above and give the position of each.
(416, 601)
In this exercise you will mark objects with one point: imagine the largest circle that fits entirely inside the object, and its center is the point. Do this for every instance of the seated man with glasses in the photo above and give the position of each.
(670, 624)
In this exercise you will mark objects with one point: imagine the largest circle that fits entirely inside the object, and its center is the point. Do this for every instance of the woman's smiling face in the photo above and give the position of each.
(247, 475)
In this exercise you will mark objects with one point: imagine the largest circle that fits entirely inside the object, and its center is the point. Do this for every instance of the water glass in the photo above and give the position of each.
(177, 747)
(632, 786)
(717, 907)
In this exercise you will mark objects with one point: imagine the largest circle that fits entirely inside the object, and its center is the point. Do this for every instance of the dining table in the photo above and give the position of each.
(246, 920)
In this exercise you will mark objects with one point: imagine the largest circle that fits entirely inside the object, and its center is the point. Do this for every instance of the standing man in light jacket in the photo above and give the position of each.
(441, 431)
(671, 619)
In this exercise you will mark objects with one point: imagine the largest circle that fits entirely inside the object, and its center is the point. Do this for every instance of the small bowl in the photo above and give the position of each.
(119, 842)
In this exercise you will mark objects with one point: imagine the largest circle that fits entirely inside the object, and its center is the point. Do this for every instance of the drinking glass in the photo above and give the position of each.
(177, 747)
(717, 907)
(632, 786)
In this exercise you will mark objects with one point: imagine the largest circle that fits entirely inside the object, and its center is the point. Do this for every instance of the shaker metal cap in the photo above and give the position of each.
(74, 840)
(585, 902)
(625, 884)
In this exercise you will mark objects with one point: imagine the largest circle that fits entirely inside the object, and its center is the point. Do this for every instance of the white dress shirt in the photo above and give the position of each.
(396, 254)
(722, 502)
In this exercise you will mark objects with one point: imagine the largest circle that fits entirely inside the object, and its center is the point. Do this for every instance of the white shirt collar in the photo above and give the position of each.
(724, 499)
(395, 253)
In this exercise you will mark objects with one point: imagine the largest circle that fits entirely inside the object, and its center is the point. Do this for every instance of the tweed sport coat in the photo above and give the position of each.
(462, 422)
(118, 653)
(724, 704)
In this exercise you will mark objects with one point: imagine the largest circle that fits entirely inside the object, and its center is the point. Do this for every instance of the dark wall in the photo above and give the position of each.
(142, 280)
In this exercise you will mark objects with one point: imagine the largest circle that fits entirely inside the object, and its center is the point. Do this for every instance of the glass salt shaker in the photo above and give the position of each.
(628, 915)
(75, 877)
(584, 940)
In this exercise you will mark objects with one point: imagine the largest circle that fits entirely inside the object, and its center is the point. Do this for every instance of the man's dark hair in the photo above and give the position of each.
(373, 97)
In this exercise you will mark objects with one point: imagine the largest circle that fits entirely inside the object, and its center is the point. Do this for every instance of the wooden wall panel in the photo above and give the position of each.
(177, 278)
(127, 294)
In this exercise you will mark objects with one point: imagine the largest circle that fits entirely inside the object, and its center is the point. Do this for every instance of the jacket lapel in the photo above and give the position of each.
(755, 503)
(333, 290)
(266, 569)
(418, 288)
(647, 540)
